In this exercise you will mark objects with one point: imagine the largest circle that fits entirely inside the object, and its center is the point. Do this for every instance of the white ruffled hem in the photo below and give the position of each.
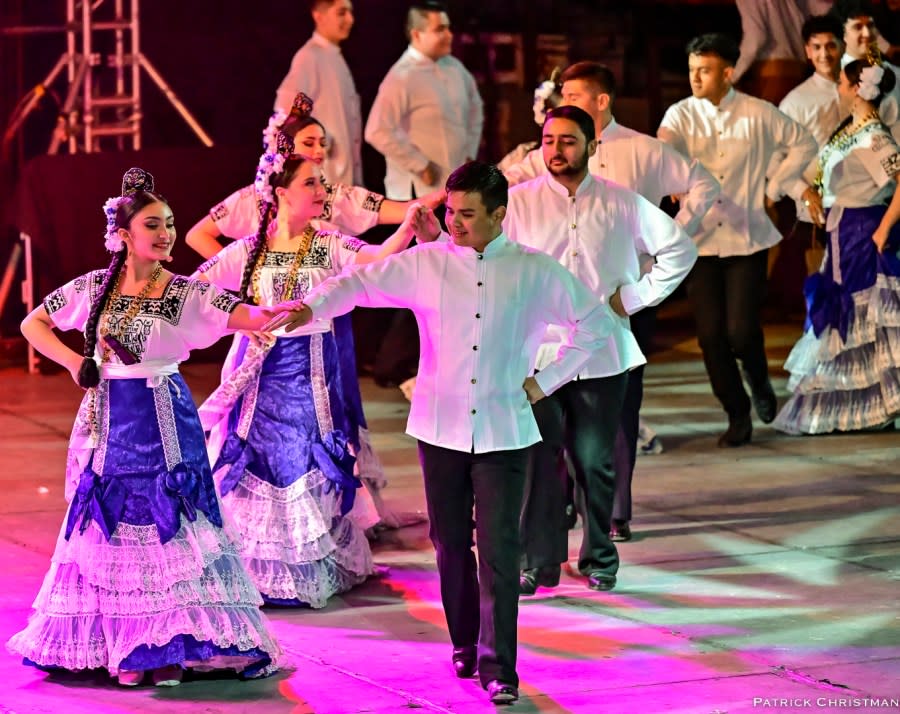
(101, 600)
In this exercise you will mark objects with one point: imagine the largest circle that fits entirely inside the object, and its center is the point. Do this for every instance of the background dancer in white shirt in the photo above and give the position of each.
(735, 136)
(483, 304)
(598, 230)
(320, 70)
(427, 117)
(814, 105)
(655, 170)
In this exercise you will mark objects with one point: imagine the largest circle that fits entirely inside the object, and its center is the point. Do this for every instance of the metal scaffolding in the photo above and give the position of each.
(103, 99)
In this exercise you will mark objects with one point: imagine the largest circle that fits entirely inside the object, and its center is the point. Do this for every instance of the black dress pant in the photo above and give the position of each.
(582, 417)
(726, 295)
(481, 603)
(643, 325)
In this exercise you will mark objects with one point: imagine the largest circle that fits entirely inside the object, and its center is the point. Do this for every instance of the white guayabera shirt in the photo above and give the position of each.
(645, 165)
(481, 318)
(599, 234)
(735, 141)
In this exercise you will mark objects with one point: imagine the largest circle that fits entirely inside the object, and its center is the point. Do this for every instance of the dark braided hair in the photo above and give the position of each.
(267, 212)
(137, 193)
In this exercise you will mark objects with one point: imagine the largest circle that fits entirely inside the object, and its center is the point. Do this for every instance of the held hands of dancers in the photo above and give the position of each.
(813, 202)
(422, 221)
(290, 315)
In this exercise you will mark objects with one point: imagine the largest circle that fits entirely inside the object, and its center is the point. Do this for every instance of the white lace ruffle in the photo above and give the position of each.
(101, 600)
(852, 384)
(369, 465)
(295, 542)
(313, 583)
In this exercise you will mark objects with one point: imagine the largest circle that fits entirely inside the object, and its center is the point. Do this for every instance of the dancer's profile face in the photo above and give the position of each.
(310, 142)
(304, 196)
(151, 233)
(469, 222)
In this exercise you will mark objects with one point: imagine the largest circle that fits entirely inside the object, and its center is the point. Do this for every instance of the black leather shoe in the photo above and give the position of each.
(547, 575)
(464, 661)
(764, 401)
(598, 580)
(620, 531)
(739, 431)
(501, 692)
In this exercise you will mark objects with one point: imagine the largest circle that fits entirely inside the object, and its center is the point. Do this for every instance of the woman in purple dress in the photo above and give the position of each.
(144, 578)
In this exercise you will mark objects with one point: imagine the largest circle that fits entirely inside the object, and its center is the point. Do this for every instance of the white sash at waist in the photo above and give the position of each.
(154, 371)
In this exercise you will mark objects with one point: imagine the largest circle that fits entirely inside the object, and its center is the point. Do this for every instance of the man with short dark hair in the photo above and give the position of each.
(482, 303)
(320, 71)
(599, 230)
(427, 117)
(735, 136)
(815, 106)
(655, 170)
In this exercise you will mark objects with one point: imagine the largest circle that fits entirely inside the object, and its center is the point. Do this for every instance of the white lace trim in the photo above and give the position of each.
(248, 408)
(320, 385)
(165, 418)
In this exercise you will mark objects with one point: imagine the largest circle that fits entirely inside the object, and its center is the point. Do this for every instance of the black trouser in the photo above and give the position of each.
(726, 295)
(643, 325)
(582, 417)
(481, 605)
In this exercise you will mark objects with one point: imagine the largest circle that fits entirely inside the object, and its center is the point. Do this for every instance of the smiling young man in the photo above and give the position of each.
(735, 136)
(861, 38)
(483, 304)
(320, 71)
(814, 105)
(599, 231)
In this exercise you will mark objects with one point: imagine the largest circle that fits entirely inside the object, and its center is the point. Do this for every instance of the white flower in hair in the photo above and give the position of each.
(113, 242)
(542, 93)
(869, 81)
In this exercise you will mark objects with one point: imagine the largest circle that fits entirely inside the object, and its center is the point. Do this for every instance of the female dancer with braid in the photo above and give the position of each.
(351, 210)
(285, 469)
(143, 578)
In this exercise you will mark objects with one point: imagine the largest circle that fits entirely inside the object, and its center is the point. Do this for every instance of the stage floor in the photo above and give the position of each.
(760, 578)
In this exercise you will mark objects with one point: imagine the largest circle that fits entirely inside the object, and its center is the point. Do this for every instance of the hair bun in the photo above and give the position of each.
(302, 106)
(136, 180)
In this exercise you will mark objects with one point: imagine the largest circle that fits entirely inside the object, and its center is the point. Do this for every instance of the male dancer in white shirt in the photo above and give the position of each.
(483, 304)
(735, 136)
(655, 170)
(320, 70)
(427, 117)
(598, 230)
(814, 104)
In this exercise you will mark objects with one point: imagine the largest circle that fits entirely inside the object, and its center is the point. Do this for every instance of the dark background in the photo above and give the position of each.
(225, 59)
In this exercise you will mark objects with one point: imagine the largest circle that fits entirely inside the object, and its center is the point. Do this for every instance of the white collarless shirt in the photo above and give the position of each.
(644, 164)
(481, 318)
(814, 104)
(599, 235)
(736, 141)
(425, 110)
(321, 72)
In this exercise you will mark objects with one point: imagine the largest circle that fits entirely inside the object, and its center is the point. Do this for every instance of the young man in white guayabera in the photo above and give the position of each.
(655, 170)
(427, 117)
(599, 230)
(320, 71)
(735, 137)
(483, 303)
(814, 104)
